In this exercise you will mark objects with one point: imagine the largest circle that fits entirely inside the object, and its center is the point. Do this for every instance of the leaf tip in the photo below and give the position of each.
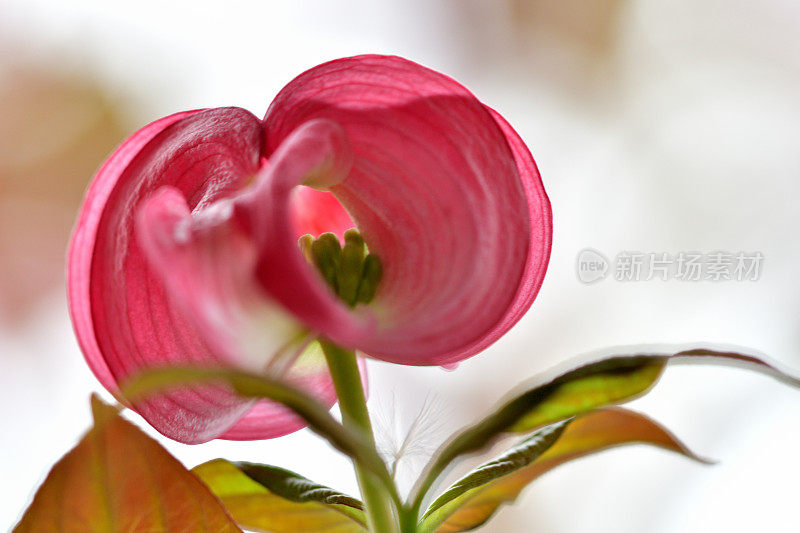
(102, 412)
(705, 461)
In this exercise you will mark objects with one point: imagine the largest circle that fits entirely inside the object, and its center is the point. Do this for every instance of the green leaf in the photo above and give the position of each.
(117, 479)
(268, 498)
(472, 500)
(606, 382)
(249, 385)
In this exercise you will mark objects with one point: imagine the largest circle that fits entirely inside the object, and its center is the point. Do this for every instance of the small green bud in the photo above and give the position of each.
(351, 266)
(327, 256)
(306, 242)
(370, 278)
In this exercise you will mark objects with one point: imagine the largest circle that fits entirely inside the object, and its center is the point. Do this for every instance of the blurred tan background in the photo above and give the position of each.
(657, 126)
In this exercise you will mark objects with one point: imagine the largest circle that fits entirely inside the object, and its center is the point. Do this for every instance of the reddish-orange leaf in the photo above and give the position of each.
(117, 479)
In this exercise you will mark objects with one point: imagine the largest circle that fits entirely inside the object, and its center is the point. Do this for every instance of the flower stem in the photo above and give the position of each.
(343, 367)
(408, 521)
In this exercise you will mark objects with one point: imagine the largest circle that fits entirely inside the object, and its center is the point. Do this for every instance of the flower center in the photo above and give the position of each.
(351, 271)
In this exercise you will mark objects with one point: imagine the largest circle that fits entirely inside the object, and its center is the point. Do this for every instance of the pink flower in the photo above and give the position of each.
(186, 248)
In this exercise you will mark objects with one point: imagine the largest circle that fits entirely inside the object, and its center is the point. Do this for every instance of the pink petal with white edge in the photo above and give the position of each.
(316, 153)
(442, 191)
(177, 173)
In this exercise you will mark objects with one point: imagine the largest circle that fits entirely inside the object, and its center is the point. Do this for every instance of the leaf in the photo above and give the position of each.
(117, 479)
(347, 440)
(606, 382)
(268, 498)
(472, 500)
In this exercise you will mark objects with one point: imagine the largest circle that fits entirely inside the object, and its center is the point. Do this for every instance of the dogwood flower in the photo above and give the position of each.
(189, 247)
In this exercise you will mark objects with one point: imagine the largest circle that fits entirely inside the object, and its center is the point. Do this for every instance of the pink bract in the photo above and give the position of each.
(185, 250)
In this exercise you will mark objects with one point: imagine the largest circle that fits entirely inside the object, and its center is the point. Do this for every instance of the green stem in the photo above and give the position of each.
(408, 521)
(343, 367)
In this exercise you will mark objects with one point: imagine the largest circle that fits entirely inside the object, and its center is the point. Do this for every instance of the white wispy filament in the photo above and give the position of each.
(404, 444)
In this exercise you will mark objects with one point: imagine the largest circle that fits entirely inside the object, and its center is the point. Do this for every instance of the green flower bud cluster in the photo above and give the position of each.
(352, 272)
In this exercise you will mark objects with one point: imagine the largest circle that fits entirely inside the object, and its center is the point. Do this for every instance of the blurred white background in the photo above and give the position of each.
(657, 126)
